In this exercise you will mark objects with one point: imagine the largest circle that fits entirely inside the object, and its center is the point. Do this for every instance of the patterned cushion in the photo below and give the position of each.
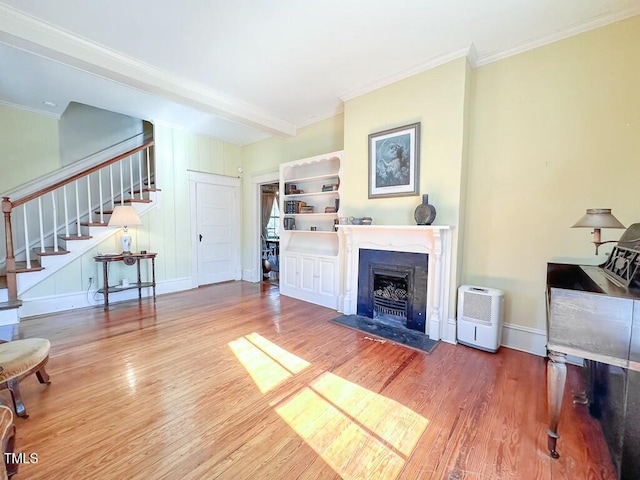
(20, 356)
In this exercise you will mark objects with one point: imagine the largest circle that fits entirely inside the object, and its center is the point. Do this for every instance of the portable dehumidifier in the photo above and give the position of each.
(480, 312)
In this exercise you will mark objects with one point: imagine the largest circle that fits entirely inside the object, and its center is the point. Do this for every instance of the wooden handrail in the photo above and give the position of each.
(82, 174)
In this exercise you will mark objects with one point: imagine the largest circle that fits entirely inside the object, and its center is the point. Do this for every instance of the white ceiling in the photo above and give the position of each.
(245, 69)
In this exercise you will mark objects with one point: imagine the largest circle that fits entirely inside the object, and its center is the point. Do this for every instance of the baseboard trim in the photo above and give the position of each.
(524, 339)
(32, 307)
(250, 275)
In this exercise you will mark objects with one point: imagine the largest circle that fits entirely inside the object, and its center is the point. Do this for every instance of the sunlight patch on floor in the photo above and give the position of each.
(358, 433)
(268, 364)
(288, 360)
(396, 424)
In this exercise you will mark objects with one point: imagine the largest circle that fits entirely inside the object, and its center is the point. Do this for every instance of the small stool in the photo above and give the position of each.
(18, 359)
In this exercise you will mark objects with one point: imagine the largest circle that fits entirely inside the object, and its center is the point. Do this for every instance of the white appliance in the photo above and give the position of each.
(480, 314)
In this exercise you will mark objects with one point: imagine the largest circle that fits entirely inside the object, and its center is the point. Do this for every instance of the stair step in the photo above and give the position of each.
(10, 304)
(21, 267)
(94, 224)
(137, 200)
(49, 251)
(75, 237)
(146, 189)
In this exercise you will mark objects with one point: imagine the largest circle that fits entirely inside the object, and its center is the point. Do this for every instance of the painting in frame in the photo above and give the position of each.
(394, 162)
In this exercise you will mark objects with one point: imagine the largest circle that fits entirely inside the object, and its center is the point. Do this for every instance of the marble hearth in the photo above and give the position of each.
(433, 240)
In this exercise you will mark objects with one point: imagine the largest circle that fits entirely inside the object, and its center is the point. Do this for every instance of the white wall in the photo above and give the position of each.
(85, 130)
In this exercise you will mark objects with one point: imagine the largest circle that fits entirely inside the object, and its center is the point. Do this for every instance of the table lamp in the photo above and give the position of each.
(125, 216)
(598, 218)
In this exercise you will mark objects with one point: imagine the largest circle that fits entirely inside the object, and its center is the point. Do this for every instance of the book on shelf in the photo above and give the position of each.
(293, 206)
(305, 209)
(291, 189)
(330, 210)
(332, 187)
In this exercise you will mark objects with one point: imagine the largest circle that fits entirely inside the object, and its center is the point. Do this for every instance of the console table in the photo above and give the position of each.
(127, 259)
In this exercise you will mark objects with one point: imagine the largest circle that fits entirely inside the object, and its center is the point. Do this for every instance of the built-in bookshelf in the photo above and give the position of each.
(310, 205)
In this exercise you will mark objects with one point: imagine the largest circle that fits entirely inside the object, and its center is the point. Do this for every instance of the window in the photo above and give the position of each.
(273, 227)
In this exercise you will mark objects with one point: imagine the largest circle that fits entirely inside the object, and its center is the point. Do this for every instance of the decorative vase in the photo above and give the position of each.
(425, 213)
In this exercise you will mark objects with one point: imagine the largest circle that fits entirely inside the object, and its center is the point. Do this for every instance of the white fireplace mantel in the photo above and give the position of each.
(434, 240)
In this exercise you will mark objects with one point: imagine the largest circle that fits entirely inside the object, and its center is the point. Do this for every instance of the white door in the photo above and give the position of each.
(218, 248)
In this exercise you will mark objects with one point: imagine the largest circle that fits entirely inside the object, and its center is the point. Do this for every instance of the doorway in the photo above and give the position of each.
(270, 233)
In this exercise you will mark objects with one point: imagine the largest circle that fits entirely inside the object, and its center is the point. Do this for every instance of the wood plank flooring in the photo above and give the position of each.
(233, 381)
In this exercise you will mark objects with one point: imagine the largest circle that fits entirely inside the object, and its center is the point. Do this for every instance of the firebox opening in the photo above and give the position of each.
(390, 297)
(400, 278)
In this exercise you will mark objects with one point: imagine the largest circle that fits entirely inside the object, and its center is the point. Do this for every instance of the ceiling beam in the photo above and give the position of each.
(28, 33)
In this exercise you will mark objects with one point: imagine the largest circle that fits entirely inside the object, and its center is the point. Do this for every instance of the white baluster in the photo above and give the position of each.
(140, 172)
(89, 198)
(100, 196)
(27, 248)
(55, 221)
(113, 203)
(41, 225)
(148, 168)
(66, 211)
(131, 182)
(78, 209)
(121, 184)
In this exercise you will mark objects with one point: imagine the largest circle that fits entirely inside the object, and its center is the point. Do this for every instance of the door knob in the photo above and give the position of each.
(200, 237)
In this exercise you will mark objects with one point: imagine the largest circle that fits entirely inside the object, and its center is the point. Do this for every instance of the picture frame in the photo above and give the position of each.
(394, 162)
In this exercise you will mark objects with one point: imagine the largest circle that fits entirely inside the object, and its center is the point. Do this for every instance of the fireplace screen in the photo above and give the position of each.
(390, 296)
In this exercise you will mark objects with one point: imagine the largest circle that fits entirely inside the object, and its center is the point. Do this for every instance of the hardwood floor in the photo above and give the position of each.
(233, 381)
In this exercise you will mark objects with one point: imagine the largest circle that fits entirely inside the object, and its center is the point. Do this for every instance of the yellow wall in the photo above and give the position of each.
(264, 157)
(29, 140)
(438, 100)
(554, 131)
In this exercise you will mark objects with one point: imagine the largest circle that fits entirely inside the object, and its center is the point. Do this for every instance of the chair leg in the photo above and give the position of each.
(43, 376)
(12, 468)
(18, 406)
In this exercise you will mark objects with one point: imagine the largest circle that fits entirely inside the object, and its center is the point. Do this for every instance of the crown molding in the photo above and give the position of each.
(434, 62)
(339, 110)
(476, 60)
(35, 36)
(599, 21)
(46, 113)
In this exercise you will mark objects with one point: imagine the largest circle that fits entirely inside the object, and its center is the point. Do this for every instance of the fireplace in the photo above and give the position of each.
(392, 287)
(428, 288)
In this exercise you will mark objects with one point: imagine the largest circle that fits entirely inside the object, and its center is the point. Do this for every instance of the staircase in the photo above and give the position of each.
(47, 229)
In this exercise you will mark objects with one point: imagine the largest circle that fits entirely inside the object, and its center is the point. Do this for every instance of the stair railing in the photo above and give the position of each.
(128, 173)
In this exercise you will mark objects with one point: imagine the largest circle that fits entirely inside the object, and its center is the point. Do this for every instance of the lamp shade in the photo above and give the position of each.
(598, 218)
(124, 216)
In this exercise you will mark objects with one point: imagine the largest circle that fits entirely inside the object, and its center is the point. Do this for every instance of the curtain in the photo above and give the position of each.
(267, 204)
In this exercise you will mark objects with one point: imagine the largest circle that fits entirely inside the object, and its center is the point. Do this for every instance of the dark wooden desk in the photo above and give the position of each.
(129, 259)
(589, 316)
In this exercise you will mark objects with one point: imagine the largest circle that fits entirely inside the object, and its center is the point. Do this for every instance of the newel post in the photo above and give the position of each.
(12, 286)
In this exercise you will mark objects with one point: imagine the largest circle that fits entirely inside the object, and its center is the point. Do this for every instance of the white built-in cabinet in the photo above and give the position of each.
(309, 246)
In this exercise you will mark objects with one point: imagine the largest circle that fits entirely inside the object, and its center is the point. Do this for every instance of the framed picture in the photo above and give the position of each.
(394, 162)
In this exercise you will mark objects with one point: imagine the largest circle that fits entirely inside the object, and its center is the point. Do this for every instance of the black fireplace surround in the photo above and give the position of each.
(391, 271)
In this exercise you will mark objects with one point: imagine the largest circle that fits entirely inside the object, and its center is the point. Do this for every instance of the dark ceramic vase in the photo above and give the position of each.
(425, 213)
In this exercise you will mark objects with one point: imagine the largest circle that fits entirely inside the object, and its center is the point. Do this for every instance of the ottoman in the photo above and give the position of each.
(18, 359)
